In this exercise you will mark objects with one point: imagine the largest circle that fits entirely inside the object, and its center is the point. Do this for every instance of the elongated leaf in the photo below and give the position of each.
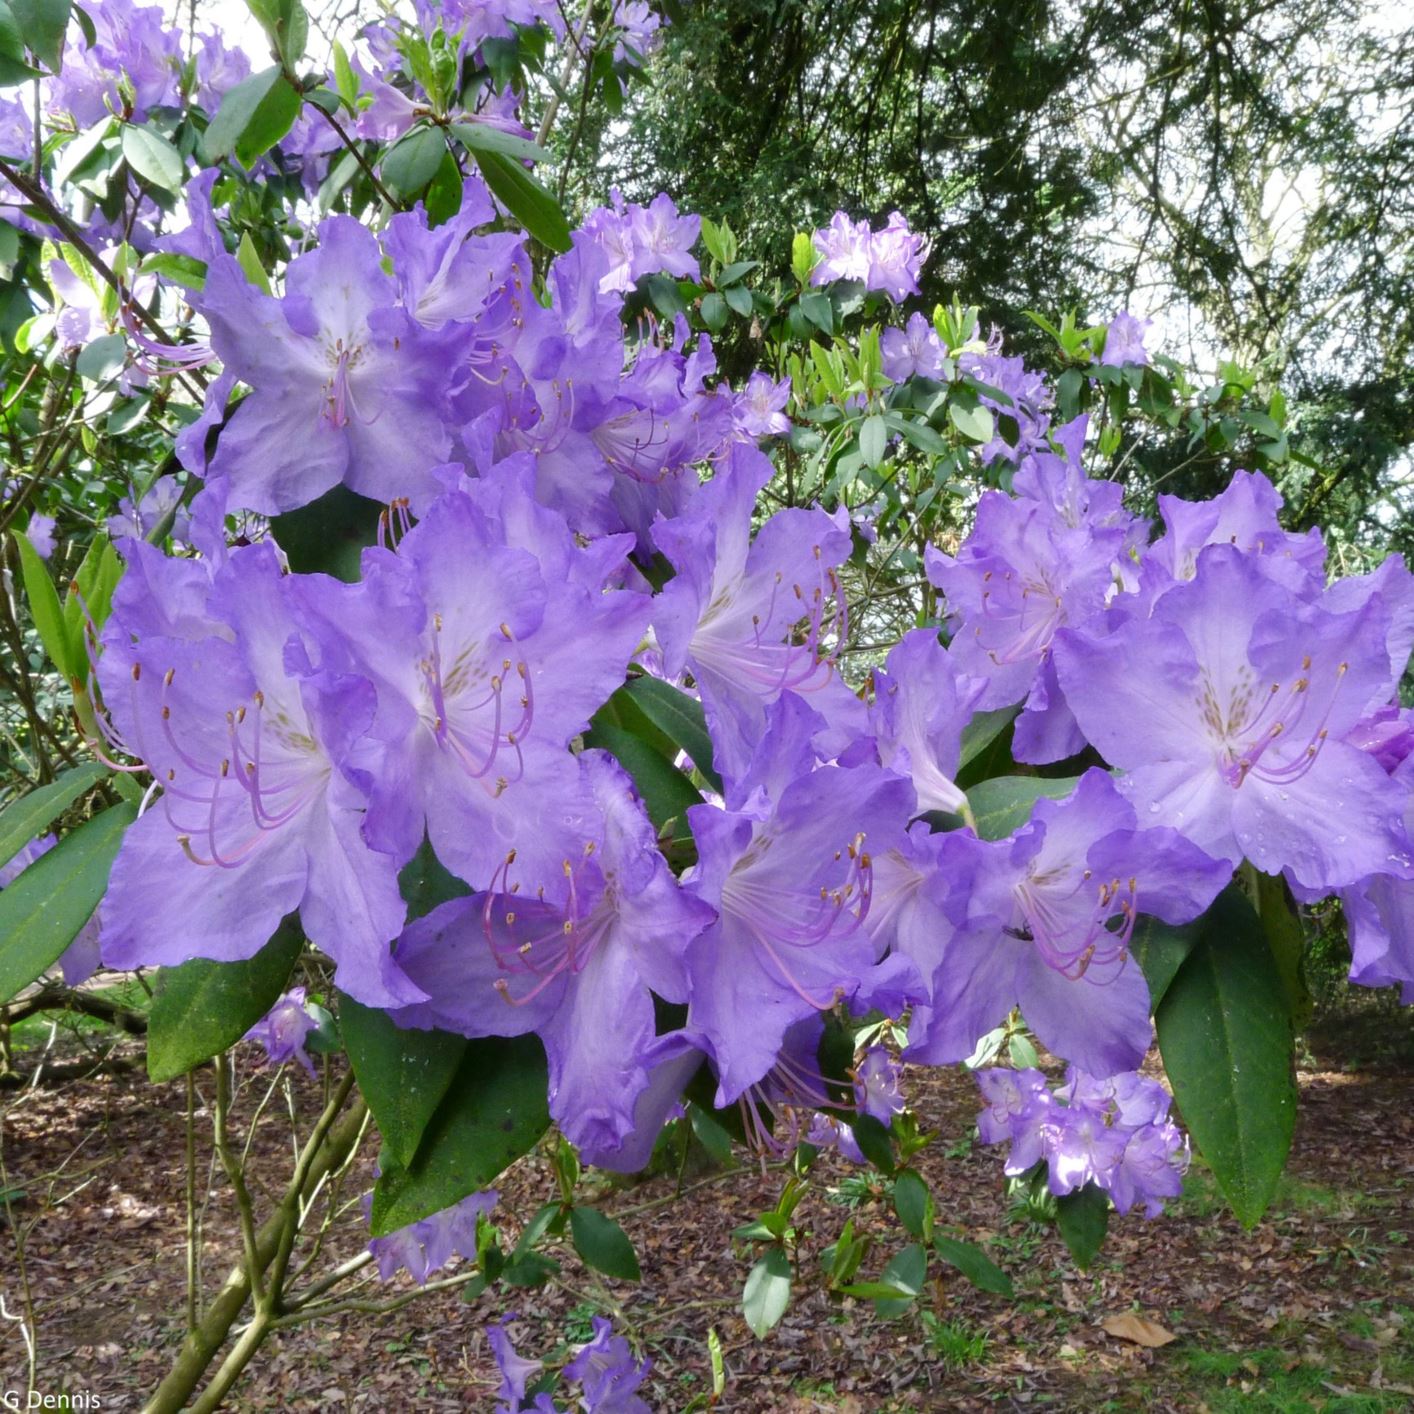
(767, 1292)
(873, 440)
(482, 137)
(273, 118)
(1159, 948)
(91, 598)
(413, 161)
(237, 110)
(1083, 1218)
(975, 423)
(666, 792)
(974, 1264)
(1281, 923)
(1226, 1040)
(403, 1074)
(493, 1112)
(203, 1007)
(330, 534)
(603, 1244)
(906, 1272)
(913, 1202)
(23, 819)
(1002, 805)
(680, 718)
(43, 24)
(534, 207)
(43, 910)
(44, 606)
(982, 731)
(152, 157)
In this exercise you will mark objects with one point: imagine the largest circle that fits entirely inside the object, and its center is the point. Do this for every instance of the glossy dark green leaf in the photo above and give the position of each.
(493, 1112)
(680, 718)
(274, 116)
(983, 729)
(913, 1202)
(329, 535)
(102, 358)
(43, 910)
(874, 1142)
(1286, 937)
(238, 109)
(767, 1292)
(1159, 949)
(23, 819)
(201, 1008)
(44, 607)
(974, 1264)
(603, 1244)
(905, 1274)
(1225, 1036)
(873, 440)
(402, 1073)
(1003, 805)
(535, 208)
(413, 161)
(1083, 1218)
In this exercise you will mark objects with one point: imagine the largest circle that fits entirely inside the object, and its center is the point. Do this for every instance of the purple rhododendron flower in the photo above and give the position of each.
(492, 641)
(135, 48)
(206, 674)
(1043, 921)
(1113, 1134)
(40, 534)
(637, 24)
(789, 873)
(516, 1371)
(1227, 708)
(888, 259)
(760, 407)
(430, 1243)
(346, 385)
(922, 701)
(914, 351)
(284, 1029)
(1124, 340)
(495, 964)
(876, 1085)
(731, 612)
(608, 1374)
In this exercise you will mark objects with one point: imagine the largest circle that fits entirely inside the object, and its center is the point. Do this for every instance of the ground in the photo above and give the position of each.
(1313, 1310)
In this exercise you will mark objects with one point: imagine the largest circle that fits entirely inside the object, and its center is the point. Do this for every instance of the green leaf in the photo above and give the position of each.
(202, 1007)
(603, 1244)
(248, 258)
(904, 1276)
(43, 23)
(1083, 1218)
(1160, 948)
(974, 1264)
(444, 195)
(1003, 804)
(1281, 924)
(330, 534)
(101, 359)
(803, 257)
(482, 137)
(152, 157)
(44, 606)
(493, 1112)
(738, 298)
(913, 1202)
(665, 790)
(874, 1142)
(736, 270)
(402, 1073)
(873, 440)
(767, 1292)
(23, 819)
(238, 109)
(975, 423)
(182, 270)
(534, 207)
(43, 910)
(424, 882)
(680, 718)
(273, 118)
(412, 161)
(983, 729)
(818, 310)
(344, 78)
(1226, 1040)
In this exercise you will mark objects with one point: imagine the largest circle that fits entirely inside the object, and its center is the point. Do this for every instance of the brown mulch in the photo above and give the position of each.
(102, 1163)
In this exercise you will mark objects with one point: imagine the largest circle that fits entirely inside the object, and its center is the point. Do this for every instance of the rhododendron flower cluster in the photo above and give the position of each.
(1113, 1133)
(571, 505)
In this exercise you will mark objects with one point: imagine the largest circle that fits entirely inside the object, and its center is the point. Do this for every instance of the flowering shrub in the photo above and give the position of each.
(610, 742)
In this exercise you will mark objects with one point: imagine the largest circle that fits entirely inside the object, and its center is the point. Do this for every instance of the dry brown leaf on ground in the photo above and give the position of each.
(1138, 1329)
